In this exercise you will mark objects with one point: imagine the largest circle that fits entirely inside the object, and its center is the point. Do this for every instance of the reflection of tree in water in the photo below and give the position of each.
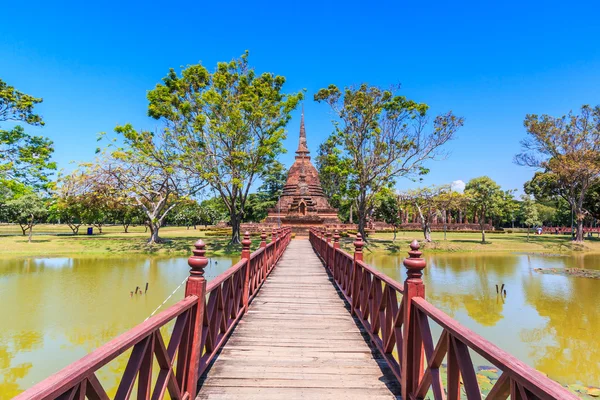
(10, 374)
(567, 348)
(456, 282)
(469, 282)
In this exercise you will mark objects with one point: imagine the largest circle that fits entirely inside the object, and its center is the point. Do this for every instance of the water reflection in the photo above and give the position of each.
(551, 322)
(56, 310)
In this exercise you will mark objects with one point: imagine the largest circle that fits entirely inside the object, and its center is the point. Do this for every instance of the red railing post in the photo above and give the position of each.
(273, 248)
(327, 248)
(246, 255)
(412, 349)
(196, 286)
(264, 260)
(263, 238)
(355, 282)
(336, 245)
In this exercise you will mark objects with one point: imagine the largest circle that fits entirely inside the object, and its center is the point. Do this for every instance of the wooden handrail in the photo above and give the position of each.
(203, 321)
(528, 378)
(77, 372)
(396, 317)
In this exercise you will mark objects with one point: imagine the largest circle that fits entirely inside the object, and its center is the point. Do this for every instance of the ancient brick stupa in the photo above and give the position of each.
(303, 202)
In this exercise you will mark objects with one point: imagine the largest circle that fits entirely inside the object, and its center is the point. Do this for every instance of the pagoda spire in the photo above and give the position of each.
(302, 148)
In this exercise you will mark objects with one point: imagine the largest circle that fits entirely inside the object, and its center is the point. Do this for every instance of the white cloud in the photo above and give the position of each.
(458, 186)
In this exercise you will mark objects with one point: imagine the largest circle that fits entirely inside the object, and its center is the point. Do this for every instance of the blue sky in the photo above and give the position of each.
(490, 62)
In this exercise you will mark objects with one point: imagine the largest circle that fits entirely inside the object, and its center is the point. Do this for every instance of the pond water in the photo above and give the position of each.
(551, 322)
(56, 310)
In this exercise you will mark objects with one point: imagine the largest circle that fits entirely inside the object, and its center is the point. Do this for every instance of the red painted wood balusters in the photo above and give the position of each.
(397, 318)
(202, 322)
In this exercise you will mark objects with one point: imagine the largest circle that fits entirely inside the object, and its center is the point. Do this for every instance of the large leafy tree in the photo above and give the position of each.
(485, 198)
(382, 136)
(230, 124)
(23, 158)
(568, 149)
(146, 171)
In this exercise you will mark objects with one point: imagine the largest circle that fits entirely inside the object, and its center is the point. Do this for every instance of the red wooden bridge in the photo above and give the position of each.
(300, 319)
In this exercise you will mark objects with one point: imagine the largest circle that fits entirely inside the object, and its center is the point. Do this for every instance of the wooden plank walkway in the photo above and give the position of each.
(298, 341)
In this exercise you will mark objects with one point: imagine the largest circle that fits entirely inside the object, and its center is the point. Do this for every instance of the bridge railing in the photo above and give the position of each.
(201, 323)
(397, 318)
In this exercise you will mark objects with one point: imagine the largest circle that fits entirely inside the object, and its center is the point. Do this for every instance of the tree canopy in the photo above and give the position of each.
(381, 136)
(566, 148)
(229, 123)
(485, 197)
(24, 159)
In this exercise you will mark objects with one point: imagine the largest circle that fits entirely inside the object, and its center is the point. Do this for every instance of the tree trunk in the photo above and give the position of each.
(362, 222)
(235, 221)
(528, 229)
(126, 228)
(579, 231)
(30, 229)
(482, 232)
(427, 232)
(393, 240)
(24, 229)
(154, 238)
(74, 228)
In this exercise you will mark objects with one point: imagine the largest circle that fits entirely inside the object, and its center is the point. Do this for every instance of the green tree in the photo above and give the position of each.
(187, 213)
(426, 202)
(23, 158)
(546, 213)
(530, 213)
(508, 208)
(27, 210)
(387, 209)
(447, 201)
(382, 136)
(230, 125)
(214, 211)
(334, 174)
(146, 171)
(545, 189)
(567, 148)
(67, 205)
(258, 204)
(485, 197)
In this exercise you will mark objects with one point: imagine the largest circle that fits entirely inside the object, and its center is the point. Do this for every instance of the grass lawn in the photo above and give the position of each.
(471, 242)
(55, 240)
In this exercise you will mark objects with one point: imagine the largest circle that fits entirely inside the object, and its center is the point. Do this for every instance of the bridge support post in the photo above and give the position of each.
(412, 347)
(195, 286)
(246, 256)
(355, 280)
